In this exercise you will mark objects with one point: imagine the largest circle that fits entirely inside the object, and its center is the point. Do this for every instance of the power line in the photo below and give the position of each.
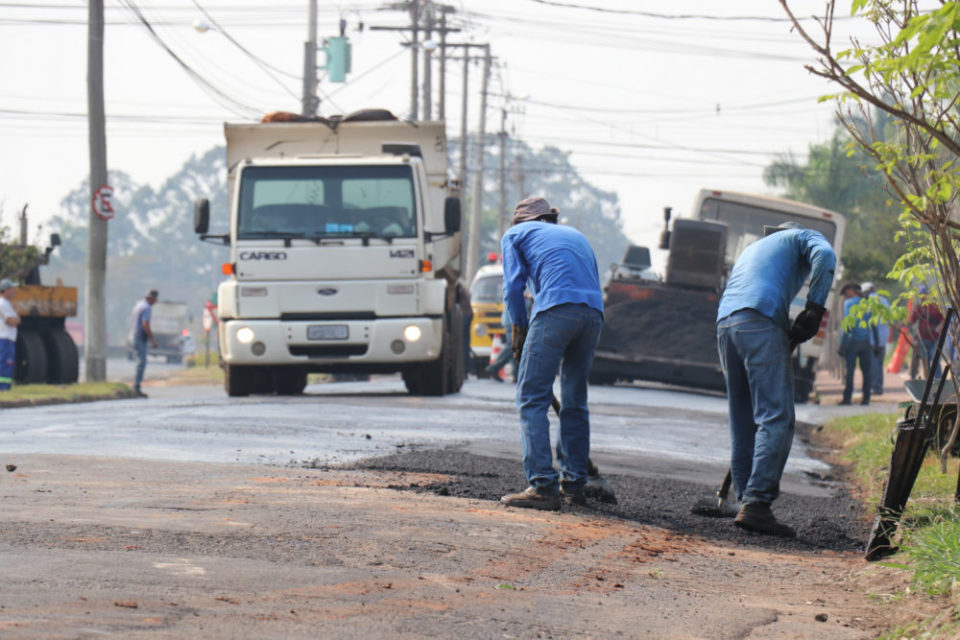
(668, 16)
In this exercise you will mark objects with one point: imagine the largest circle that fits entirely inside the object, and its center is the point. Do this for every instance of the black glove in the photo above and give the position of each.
(807, 323)
(518, 335)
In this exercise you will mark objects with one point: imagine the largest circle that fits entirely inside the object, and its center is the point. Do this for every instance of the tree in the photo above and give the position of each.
(840, 176)
(914, 76)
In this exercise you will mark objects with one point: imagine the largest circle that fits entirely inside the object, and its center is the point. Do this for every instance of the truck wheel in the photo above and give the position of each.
(236, 380)
(803, 378)
(435, 375)
(289, 382)
(31, 358)
(458, 366)
(63, 361)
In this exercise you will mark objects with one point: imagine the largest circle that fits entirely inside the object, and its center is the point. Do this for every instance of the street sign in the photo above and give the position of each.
(206, 318)
(102, 205)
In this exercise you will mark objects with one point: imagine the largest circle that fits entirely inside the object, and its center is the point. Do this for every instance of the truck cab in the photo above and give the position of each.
(345, 249)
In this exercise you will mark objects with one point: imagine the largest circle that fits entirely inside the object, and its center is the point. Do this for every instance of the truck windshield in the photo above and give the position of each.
(320, 201)
(745, 223)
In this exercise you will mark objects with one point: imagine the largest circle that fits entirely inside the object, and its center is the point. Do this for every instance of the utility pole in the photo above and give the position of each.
(414, 56)
(441, 105)
(95, 325)
(427, 60)
(502, 213)
(462, 172)
(310, 102)
(476, 215)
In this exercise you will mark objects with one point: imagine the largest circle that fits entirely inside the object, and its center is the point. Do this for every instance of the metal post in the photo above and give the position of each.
(95, 326)
(476, 214)
(309, 101)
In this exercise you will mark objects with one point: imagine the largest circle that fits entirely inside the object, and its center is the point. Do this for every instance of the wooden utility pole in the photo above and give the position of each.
(476, 214)
(310, 102)
(95, 325)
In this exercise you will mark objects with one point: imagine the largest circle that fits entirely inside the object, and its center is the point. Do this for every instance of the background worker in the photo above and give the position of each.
(929, 320)
(856, 344)
(561, 334)
(879, 339)
(8, 334)
(140, 333)
(754, 340)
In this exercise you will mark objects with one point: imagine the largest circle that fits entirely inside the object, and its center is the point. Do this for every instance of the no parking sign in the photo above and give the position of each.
(102, 202)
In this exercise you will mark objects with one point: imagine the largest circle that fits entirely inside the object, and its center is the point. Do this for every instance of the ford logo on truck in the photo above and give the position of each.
(263, 255)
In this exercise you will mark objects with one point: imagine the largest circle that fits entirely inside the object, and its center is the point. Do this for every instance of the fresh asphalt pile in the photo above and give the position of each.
(823, 523)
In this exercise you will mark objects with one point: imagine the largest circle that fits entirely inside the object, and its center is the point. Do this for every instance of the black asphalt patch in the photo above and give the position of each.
(832, 523)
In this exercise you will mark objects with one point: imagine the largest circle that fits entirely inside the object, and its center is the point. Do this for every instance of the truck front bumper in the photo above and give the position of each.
(384, 341)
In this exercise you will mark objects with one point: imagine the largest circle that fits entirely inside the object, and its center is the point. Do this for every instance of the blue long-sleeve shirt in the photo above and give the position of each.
(770, 272)
(556, 262)
(862, 330)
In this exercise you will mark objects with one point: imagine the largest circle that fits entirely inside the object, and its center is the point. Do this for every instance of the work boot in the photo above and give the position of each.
(533, 498)
(572, 493)
(138, 393)
(757, 517)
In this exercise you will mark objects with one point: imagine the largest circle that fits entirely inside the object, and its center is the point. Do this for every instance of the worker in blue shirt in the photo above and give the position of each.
(754, 340)
(560, 334)
(856, 344)
(880, 338)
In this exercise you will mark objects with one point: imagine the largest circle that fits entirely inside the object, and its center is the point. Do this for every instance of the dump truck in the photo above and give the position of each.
(45, 352)
(664, 330)
(345, 254)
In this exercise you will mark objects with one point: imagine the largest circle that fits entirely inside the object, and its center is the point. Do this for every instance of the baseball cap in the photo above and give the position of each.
(7, 283)
(867, 287)
(789, 224)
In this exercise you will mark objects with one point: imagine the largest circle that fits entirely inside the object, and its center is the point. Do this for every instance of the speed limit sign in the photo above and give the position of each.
(102, 202)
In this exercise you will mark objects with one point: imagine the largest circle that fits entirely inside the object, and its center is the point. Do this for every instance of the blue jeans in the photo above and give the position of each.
(756, 364)
(560, 338)
(141, 346)
(863, 352)
(8, 350)
(877, 377)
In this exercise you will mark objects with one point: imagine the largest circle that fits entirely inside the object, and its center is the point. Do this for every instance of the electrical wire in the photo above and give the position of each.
(667, 16)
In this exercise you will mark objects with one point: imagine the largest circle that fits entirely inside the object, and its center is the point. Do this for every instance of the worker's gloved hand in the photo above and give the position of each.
(517, 338)
(807, 323)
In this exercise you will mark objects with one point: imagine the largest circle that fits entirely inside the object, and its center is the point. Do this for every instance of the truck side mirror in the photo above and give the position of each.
(451, 214)
(54, 239)
(201, 215)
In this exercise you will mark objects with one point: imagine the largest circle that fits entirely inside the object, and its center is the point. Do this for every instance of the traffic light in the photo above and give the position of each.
(337, 50)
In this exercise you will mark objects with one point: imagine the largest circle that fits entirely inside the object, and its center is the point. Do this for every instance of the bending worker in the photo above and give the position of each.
(755, 339)
(560, 268)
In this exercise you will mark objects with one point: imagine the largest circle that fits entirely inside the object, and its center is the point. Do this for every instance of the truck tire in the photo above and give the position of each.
(432, 378)
(237, 380)
(289, 382)
(63, 361)
(458, 368)
(803, 378)
(31, 358)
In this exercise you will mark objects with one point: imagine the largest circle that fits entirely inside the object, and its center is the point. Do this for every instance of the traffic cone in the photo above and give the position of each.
(495, 348)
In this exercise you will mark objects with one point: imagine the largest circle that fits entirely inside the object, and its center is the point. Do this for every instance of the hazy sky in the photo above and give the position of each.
(696, 94)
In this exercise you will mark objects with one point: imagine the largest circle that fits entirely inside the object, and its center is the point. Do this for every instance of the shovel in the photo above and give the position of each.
(596, 485)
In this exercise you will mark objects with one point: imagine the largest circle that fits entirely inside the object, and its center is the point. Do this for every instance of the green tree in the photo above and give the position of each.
(914, 76)
(840, 176)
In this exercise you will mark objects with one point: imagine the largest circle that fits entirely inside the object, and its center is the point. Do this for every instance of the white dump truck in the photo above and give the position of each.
(345, 254)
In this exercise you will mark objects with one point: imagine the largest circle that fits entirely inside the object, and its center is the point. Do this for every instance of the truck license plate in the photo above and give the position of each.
(327, 332)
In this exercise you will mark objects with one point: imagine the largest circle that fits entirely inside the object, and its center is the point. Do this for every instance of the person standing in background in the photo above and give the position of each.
(856, 344)
(9, 320)
(929, 320)
(879, 339)
(140, 332)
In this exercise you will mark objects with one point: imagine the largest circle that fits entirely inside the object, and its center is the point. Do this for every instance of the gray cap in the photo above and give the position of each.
(534, 209)
(152, 293)
(867, 287)
(6, 283)
(789, 224)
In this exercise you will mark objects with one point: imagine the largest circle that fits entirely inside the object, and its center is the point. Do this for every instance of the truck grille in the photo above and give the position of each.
(328, 351)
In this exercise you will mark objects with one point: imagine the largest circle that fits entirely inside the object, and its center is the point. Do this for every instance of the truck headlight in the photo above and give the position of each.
(245, 335)
(412, 333)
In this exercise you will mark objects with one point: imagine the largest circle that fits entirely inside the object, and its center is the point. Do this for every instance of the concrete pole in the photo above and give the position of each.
(309, 101)
(441, 106)
(502, 213)
(476, 214)
(414, 57)
(95, 310)
(427, 60)
(462, 172)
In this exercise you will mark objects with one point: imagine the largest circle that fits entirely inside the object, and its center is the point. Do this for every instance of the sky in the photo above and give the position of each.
(652, 100)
